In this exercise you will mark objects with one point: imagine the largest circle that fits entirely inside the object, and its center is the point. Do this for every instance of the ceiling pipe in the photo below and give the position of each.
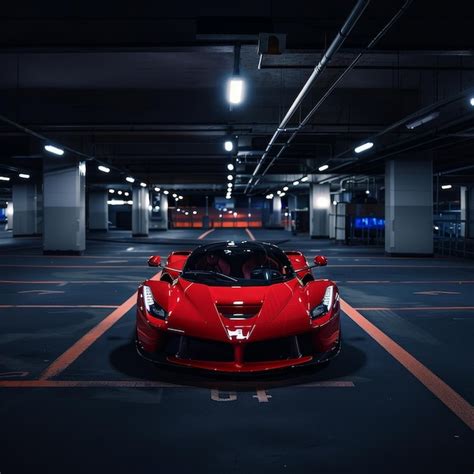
(334, 47)
(305, 121)
(320, 102)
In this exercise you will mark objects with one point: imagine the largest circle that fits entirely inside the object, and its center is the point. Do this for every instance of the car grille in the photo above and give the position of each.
(186, 347)
(193, 348)
(278, 349)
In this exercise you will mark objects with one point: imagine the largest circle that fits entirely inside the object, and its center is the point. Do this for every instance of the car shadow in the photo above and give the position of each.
(126, 360)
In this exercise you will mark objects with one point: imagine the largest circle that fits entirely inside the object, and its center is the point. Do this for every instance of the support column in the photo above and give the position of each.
(467, 212)
(319, 205)
(140, 212)
(25, 205)
(409, 206)
(64, 192)
(98, 211)
(275, 220)
(163, 212)
(292, 206)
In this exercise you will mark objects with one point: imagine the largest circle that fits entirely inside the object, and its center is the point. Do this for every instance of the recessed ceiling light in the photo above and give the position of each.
(104, 169)
(130, 179)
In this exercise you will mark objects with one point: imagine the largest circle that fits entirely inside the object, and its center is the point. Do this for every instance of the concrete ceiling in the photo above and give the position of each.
(144, 88)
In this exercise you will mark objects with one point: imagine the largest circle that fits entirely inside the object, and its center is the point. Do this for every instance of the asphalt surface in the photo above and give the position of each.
(75, 397)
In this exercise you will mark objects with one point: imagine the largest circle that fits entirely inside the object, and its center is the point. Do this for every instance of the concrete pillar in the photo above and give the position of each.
(162, 223)
(140, 212)
(319, 205)
(467, 212)
(275, 220)
(98, 210)
(25, 204)
(64, 206)
(9, 225)
(292, 206)
(409, 206)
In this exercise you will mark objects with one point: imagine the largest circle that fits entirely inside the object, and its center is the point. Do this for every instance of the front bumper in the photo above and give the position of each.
(245, 366)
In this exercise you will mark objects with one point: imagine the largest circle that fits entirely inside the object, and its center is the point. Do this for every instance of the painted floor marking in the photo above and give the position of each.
(79, 347)
(458, 405)
(53, 306)
(410, 282)
(249, 233)
(45, 383)
(205, 234)
(72, 266)
(420, 308)
(63, 282)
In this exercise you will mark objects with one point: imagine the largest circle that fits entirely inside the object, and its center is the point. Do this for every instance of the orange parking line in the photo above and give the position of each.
(205, 234)
(71, 266)
(419, 308)
(249, 233)
(458, 405)
(132, 384)
(108, 306)
(62, 282)
(71, 354)
(410, 282)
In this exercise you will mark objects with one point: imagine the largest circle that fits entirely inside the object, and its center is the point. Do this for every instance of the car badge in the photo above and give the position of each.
(238, 334)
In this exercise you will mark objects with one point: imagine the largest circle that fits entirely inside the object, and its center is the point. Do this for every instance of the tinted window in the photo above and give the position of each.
(238, 264)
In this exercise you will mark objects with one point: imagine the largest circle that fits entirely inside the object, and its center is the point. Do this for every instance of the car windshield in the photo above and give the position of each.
(243, 264)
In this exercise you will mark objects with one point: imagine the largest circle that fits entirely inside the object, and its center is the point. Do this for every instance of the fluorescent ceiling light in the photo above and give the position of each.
(54, 149)
(143, 185)
(130, 179)
(230, 167)
(295, 183)
(4, 178)
(24, 176)
(104, 169)
(235, 90)
(228, 145)
(324, 167)
(416, 123)
(363, 147)
(446, 186)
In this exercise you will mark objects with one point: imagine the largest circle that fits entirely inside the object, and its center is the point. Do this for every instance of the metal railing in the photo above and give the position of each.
(454, 237)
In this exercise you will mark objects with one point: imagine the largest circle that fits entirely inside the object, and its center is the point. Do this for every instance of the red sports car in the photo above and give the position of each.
(238, 307)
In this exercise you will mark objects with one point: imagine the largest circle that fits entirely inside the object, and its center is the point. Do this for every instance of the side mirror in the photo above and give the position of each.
(154, 261)
(320, 261)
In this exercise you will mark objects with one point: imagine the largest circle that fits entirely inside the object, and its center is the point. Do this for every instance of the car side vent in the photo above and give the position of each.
(244, 311)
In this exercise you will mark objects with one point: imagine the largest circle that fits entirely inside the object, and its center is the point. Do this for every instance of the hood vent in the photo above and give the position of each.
(238, 311)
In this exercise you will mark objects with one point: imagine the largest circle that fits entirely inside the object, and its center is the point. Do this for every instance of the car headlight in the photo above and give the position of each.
(325, 304)
(151, 305)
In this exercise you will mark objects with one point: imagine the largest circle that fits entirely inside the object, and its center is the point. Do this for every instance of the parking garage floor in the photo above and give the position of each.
(75, 397)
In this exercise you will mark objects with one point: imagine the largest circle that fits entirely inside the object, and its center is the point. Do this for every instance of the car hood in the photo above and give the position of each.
(238, 314)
